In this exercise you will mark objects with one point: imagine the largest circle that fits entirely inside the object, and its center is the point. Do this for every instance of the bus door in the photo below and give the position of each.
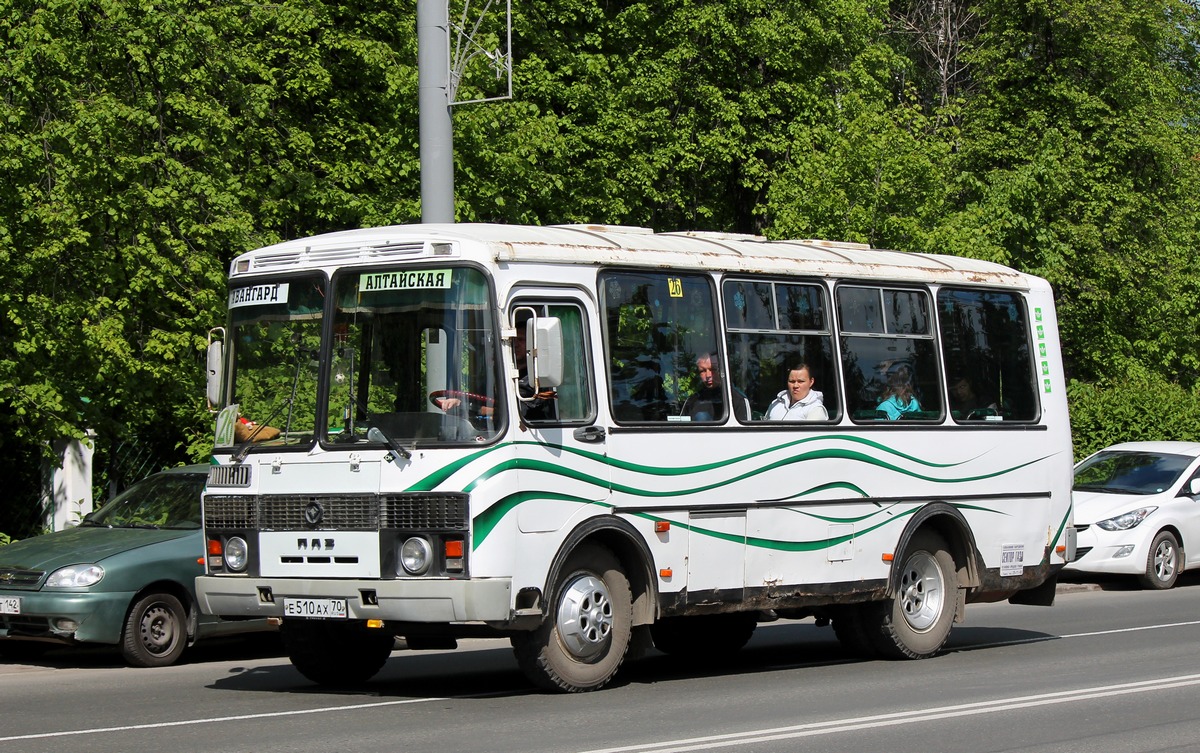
(561, 447)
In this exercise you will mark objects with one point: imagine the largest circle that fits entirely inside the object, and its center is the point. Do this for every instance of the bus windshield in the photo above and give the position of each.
(274, 342)
(414, 357)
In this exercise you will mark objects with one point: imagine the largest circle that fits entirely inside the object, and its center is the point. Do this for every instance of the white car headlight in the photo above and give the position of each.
(75, 576)
(1127, 520)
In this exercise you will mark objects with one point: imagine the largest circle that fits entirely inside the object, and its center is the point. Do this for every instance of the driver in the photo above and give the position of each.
(541, 407)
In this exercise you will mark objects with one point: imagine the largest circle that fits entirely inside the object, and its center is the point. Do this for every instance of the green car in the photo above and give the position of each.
(124, 576)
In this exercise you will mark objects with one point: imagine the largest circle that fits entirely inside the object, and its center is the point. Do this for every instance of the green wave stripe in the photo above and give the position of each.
(486, 522)
(824, 487)
(831, 519)
(858, 457)
(626, 465)
(431, 481)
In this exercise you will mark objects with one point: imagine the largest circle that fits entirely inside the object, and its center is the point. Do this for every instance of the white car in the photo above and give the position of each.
(1137, 511)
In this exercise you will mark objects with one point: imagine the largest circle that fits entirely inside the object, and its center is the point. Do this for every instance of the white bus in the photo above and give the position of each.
(562, 435)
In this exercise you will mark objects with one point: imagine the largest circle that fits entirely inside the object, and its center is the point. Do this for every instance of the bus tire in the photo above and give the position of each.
(850, 627)
(915, 623)
(712, 635)
(336, 654)
(582, 642)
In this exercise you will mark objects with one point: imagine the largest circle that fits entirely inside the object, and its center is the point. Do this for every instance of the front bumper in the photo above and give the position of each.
(99, 616)
(1100, 549)
(437, 600)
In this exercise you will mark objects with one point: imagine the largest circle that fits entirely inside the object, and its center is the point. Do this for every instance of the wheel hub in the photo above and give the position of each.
(1164, 560)
(585, 617)
(922, 594)
(158, 631)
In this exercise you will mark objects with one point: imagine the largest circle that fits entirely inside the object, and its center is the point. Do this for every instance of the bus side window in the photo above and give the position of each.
(989, 365)
(574, 399)
(771, 327)
(657, 326)
(889, 354)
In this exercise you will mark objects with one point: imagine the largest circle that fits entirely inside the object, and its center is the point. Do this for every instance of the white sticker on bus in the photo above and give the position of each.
(425, 279)
(259, 295)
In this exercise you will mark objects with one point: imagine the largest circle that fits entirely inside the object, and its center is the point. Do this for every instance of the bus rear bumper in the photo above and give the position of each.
(415, 600)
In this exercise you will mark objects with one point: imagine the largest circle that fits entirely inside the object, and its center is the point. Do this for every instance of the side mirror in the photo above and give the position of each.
(1193, 487)
(544, 335)
(215, 368)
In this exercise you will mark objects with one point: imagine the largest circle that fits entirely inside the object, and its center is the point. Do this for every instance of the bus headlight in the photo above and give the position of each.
(237, 553)
(416, 555)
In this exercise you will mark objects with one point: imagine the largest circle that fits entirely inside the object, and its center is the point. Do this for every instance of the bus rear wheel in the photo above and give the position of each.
(336, 654)
(582, 642)
(915, 623)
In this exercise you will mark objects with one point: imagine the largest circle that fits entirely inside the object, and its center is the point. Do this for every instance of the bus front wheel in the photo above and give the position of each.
(915, 623)
(582, 641)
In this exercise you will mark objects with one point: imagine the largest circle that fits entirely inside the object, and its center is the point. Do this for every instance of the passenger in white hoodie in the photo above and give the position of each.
(799, 402)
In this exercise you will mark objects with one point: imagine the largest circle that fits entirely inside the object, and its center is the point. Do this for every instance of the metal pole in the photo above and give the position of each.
(437, 137)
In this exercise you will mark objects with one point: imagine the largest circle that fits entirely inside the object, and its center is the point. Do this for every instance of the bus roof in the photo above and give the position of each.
(625, 246)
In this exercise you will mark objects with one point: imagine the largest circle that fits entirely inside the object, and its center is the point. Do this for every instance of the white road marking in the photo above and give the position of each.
(740, 738)
(903, 717)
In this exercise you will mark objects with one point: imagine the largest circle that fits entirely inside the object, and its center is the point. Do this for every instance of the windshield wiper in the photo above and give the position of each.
(375, 434)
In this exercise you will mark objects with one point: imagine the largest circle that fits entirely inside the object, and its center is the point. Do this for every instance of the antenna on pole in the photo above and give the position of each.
(483, 46)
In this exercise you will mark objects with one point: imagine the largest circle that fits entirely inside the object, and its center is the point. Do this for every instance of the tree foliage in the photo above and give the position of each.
(144, 145)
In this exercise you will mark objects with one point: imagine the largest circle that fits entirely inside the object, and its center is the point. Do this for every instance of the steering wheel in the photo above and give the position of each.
(437, 395)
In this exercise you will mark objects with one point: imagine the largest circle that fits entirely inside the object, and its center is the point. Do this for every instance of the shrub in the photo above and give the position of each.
(1141, 407)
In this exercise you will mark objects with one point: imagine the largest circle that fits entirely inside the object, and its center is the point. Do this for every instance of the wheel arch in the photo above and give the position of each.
(180, 592)
(1182, 545)
(946, 521)
(623, 540)
(1178, 534)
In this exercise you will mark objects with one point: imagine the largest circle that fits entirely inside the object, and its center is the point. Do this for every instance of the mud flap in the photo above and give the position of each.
(1041, 596)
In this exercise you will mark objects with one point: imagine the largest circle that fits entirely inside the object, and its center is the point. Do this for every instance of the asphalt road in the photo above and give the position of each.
(1108, 668)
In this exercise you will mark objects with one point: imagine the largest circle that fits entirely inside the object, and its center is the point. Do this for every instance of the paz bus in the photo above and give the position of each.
(433, 432)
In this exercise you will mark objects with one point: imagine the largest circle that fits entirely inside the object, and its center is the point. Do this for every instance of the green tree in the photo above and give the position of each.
(1077, 161)
(143, 147)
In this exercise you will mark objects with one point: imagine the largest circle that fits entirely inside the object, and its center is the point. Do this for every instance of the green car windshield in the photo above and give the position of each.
(165, 500)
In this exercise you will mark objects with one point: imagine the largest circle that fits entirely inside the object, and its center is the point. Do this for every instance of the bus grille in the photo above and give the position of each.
(229, 475)
(351, 512)
(445, 512)
(230, 512)
(286, 512)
